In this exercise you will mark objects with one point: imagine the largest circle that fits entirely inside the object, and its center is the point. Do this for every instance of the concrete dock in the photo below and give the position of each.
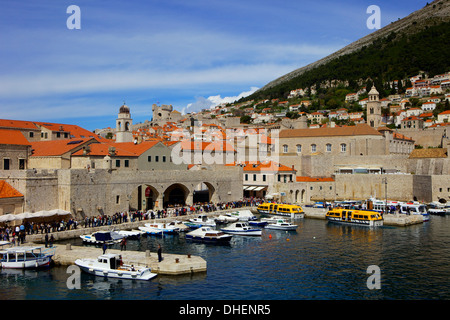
(172, 264)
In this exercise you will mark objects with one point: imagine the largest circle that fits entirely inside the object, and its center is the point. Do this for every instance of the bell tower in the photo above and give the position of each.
(123, 125)
(373, 108)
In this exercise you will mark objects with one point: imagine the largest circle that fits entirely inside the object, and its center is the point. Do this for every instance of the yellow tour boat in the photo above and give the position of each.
(286, 210)
(355, 217)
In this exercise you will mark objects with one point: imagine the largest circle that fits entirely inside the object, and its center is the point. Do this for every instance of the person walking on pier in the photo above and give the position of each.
(159, 253)
(123, 244)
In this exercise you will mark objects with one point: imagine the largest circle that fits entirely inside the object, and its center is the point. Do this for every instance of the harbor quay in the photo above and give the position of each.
(172, 264)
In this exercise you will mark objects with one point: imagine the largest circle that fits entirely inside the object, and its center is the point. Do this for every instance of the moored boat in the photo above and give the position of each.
(26, 257)
(110, 265)
(203, 220)
(242, 215)
(208, 235)
(225, 219)
(100, 237)
(281, 224)
(355, 217)
(182, 227)
(242, 229)
(285, 210)
(159, 229)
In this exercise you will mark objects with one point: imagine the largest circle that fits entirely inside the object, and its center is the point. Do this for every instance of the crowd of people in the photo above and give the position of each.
(18, 233)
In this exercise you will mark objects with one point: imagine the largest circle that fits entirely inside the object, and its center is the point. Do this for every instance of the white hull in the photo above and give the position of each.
(30, 264)
(88, 266)
(242, 229)
(274, 226)
(367, 223)
(243, 233)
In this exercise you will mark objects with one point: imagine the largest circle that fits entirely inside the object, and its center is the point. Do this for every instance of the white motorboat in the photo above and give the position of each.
(226, 219)
(157, 228)
(242, 229)
(130, 234)
(208, 235)
(242, 215)
(26, 257)
(203, 221)
(100, 237)
(270, 220)
(179, 224)
(110, 265)
(281, 224)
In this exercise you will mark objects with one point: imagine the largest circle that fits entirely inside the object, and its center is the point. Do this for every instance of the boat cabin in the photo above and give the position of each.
(110, 260)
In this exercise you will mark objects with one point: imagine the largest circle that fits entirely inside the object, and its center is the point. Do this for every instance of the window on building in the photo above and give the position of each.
(156, 158)
(117, 163)
(328, 147)
(299, 148)
(21, 164)
(149, 158)
(31, 134)
(343, 147)
(313, 148)
(254, 177)
(127, 163)
(246, 177)
(164, 159)
(5, 164)
(285, 148)
(117, 199)
(264, 177)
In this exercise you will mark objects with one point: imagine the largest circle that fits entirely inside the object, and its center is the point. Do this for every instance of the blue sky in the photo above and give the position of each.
(178, 52)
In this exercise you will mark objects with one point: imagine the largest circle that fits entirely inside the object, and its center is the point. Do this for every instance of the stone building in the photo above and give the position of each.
(14, 150)
(373, 108)
(124, 124)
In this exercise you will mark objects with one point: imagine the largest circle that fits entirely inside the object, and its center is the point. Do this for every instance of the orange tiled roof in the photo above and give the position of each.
(18, 124)
(14, 137)
(6, 191)
(75, 131)
(57, 147)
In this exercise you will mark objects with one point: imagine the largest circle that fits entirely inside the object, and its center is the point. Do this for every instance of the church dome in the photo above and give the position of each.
(124, 109)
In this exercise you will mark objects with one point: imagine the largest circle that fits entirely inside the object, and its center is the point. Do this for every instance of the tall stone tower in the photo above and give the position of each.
(373, 109)
(123, 125)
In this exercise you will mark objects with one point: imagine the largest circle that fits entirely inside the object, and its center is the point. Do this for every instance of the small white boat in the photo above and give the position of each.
(100, 237)
(157, 228)
(208, 235)
(110, 265)
(179, 224)
(242, 215)
(130, 234)
(26, 257)
(281, 224)
(242, 229)
(203, 221)
(270, 220)
(225, 219)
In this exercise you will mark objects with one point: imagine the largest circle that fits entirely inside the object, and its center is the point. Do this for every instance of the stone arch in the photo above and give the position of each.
(296, 196)
(175, 194)
(203, 192)
(144, 197)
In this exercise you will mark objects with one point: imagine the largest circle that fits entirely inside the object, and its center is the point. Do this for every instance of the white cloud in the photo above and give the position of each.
(212, 101)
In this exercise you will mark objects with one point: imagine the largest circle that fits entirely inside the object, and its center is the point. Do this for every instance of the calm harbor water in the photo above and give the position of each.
(319, 261)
